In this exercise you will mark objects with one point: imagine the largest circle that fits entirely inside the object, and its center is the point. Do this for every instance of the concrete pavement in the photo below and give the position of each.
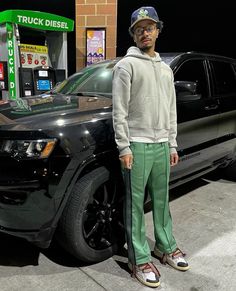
(204, 216)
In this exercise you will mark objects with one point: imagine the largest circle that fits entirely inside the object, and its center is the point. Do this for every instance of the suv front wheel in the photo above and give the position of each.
(91, 226)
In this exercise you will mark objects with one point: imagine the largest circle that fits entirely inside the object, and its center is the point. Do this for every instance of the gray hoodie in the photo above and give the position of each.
(144, 101)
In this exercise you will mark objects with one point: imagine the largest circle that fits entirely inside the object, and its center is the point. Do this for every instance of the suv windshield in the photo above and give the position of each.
(94, 80)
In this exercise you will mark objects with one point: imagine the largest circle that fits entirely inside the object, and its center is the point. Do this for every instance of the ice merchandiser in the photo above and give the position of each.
(33, 52)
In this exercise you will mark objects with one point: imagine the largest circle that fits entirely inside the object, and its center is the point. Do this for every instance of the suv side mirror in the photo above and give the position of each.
(186, 91)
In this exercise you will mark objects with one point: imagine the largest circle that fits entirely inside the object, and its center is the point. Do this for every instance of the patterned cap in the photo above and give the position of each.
(143, 13)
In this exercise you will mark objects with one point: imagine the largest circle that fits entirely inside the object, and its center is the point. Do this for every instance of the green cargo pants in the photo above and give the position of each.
(151, 169)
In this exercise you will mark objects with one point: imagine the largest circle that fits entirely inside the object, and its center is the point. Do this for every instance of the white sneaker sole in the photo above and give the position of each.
(177, 267)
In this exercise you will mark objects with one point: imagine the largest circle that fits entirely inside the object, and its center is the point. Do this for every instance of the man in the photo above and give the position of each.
(144, 119)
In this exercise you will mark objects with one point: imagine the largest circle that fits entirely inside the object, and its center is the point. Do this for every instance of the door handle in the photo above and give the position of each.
(211, 107)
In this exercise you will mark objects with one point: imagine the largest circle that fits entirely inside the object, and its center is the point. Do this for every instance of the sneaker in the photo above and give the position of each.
(175, 259)
(147, 274)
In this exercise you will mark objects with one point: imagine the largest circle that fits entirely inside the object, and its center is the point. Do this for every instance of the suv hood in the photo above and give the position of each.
(49, 111)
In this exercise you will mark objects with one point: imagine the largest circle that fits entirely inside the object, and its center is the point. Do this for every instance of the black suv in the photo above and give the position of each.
(59, 167)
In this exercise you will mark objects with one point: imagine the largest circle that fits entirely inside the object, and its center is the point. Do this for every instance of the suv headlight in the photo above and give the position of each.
(28, 149)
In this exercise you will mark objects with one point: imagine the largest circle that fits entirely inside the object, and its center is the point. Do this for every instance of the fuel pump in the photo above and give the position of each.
(33, 52)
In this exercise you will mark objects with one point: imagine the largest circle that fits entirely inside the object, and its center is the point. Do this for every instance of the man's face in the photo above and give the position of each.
(145, 34)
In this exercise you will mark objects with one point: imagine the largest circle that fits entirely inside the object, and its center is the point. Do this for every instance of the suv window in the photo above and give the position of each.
(193, 71)
(95, 79)
(224, 78)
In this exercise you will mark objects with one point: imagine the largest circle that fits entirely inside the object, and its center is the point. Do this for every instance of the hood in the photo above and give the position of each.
(137, 53)
(53, 111)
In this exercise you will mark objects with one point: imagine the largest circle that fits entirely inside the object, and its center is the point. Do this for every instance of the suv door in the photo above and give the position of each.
(224, 89)
(198, 117)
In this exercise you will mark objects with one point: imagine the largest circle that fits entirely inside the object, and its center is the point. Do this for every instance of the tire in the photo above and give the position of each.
(91, 226)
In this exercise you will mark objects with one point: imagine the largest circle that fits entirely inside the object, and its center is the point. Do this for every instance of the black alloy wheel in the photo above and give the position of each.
(91, 227)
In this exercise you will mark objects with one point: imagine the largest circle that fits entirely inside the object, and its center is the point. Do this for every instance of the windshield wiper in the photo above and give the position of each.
(93, 94)
(89, 94)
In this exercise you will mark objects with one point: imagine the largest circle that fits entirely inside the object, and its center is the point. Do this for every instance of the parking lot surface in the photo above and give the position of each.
(204, 216)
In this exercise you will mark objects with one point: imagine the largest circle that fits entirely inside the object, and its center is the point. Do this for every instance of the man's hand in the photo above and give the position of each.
(127, 161)
(174, 158)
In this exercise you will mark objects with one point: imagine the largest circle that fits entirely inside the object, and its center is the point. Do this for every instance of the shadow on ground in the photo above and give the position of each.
(18, 252)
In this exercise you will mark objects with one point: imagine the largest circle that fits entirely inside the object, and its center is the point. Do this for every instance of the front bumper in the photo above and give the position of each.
(29, 198)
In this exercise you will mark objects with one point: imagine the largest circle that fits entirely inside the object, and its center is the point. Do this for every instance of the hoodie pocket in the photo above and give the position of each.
(141, 111)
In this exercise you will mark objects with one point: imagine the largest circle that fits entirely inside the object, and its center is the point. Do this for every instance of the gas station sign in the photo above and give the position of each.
(11, 61)
(38, 20)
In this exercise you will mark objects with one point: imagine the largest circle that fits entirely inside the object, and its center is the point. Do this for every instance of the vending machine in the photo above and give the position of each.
(33, 52)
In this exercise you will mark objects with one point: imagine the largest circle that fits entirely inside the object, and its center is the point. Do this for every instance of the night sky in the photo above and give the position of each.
(207, 26)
